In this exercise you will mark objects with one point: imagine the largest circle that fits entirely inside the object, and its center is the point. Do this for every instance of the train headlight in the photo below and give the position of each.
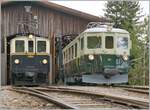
(91, 57)
(44, 61)
(30, 36)
(17, 61)
(125, 57)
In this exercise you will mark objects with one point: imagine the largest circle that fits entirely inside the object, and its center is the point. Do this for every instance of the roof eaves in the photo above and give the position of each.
(61, 9)
(71, 11)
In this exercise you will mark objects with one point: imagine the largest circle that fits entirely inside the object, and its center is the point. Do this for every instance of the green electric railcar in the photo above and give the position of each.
(98, 55)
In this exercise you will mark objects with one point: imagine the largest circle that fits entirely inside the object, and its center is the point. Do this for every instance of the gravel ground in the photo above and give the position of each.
(110, 90)
(14, 100)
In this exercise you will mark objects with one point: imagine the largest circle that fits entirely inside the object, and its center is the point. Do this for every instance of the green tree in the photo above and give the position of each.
(124, 14)
(139, 75)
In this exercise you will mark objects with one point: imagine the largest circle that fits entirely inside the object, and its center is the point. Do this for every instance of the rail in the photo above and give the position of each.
(43, 96)
(135, 102)
(40, 92)
(133, 86)
(137, 90)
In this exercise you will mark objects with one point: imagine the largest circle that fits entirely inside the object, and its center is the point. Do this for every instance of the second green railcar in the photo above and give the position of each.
(98, 55)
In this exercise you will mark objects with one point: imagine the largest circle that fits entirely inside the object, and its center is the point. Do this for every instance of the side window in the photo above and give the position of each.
(72, 51)
(82, 43)
(41, 46)
(30, 46)
(19, 46)
(109, 42)
(76, 50)
(69, 54)
(64, 56)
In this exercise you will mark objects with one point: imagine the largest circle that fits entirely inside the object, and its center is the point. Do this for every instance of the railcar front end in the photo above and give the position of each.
(104, 69)
(29, 61)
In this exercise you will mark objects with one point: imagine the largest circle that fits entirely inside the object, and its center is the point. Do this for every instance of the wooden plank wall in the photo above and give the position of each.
(49, 20)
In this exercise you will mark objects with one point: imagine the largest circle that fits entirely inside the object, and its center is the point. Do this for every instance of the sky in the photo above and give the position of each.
(96, 7)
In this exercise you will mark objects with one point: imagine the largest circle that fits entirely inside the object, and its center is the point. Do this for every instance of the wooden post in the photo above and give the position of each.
(52, 51)
(50, 62)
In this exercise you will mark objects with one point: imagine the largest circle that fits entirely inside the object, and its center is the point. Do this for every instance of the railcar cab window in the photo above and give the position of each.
(41, 46)
(30, 46)
(19, 46)
(94, 42)
(122, 43)
(109, 42)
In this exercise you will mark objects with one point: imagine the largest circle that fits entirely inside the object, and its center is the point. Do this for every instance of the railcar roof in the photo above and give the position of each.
(99, 29)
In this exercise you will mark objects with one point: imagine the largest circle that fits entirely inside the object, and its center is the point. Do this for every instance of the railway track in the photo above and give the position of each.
(133, 86)
(138, 89)
(67, 98)
(43, 95)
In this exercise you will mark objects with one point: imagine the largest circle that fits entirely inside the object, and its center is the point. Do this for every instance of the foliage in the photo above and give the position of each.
(139, 74)
(126, 15)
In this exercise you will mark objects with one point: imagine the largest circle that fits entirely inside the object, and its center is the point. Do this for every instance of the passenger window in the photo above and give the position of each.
(122, 43)
(72, 51)
(19, 45)
(109, 42)
(76, 50)
(82, 43)
(69, 54)
(94, 42)
(30, 46)
(41, 46)
(64, 56)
